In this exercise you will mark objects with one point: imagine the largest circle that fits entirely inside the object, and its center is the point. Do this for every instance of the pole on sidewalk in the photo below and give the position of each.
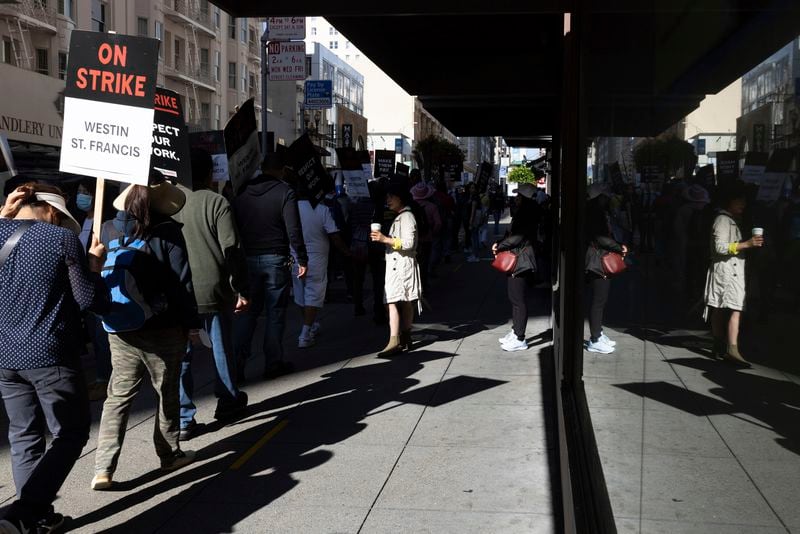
(264, 80)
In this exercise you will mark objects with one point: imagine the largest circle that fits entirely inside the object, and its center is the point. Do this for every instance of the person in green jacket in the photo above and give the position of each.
(220, 279)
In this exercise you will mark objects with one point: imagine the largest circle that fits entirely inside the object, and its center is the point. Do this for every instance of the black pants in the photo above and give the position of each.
(517, 294)
(51, 398)
(377, 267)
(600, 289)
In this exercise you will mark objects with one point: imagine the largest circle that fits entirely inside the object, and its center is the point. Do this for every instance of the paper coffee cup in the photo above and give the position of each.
(758, 231)
(375, 227)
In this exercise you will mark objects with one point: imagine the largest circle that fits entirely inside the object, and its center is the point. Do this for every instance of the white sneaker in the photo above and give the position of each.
(508, 337)
(607, 340)
(599, 347)
(515, 345)
(306, 342)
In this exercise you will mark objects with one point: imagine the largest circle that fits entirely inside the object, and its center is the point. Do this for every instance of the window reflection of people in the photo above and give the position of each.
(599, 237)
(725, 282)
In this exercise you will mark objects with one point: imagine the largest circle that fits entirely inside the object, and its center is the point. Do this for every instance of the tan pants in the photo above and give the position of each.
(158, 353)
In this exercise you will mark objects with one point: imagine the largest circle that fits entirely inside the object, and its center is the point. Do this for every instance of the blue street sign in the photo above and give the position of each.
(398, 145)
(319, 94)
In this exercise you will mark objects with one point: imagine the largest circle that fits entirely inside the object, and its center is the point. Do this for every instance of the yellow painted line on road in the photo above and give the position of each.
(260, 443)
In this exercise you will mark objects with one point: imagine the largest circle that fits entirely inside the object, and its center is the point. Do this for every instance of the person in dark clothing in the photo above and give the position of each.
(219, 271)
(520, 240)
(41, 379)
(599, 239)
(269, 222)
(157, 346)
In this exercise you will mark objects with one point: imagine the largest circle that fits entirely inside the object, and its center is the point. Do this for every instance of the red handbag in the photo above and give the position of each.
(613, 264)
(505, 262)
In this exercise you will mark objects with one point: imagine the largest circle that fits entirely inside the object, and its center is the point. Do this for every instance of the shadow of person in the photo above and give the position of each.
(771, 401)
(230, 484)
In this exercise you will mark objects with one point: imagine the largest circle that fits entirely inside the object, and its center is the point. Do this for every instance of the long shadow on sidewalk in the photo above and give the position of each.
(339, 409)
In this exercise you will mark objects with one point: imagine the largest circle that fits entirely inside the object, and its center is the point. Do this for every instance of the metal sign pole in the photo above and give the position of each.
(264, 81)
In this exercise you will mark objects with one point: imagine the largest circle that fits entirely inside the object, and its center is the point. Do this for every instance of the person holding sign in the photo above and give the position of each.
(45, 284)
(403, 282)
(153, 309)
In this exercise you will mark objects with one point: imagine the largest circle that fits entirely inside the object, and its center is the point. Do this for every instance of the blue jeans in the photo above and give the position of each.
(269, 287)
(219, 327)
(50, 398)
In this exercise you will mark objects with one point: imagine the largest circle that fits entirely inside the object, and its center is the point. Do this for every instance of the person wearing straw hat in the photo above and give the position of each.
(45, 284)
(146, 250)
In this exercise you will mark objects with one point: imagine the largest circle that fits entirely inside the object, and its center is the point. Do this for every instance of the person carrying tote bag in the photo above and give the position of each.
(519, 242)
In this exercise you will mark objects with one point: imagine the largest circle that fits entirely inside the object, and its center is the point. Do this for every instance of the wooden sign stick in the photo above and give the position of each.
(99, 193)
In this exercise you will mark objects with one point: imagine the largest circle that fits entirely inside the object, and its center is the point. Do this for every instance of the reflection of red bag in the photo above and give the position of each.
(613, 264)
(505, 262)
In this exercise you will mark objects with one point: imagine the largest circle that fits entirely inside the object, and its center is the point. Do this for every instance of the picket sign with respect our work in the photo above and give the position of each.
(108, 109)
(170, 138)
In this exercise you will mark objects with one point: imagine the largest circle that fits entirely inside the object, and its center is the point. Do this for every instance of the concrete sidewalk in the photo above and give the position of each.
(691, 444)
(453, 437)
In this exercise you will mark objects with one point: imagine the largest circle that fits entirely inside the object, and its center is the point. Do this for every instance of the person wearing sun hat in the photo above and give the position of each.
(45, 284)
(156, 345)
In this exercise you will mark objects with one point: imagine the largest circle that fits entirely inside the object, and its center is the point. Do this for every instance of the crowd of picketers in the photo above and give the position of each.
(174, 269)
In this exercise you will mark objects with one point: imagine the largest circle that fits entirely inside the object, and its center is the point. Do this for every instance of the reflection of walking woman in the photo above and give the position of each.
(403, 284)
(599, 239)
(725, 282)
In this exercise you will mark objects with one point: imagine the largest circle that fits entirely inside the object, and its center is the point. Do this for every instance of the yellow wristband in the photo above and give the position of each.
(397, 244)
(733, 248)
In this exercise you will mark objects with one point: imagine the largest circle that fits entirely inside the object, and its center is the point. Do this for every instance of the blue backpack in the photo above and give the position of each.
(129, 275)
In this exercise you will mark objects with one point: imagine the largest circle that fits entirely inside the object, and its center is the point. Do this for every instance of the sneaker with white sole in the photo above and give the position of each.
(599, 347)
(506, 338)
(607, 340)
(515, 345)
(304, 342)
(315, 329)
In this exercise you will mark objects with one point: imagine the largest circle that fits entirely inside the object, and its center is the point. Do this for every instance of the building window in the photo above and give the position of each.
(8, 52)
(253, 39)
(65, 7)
(160, 36)
(334, 45)
(313, 31)
(217, 61)
(41, 61)
(231, 27)
(252, 87)
(176, 54)
(98, 16)
(204, 62)
(333, 31)
(62, 65)
(347, 44)
(243, 72)
(358, 56)
(216, 116)
(243, 30)
(141, 26)
(192, 111)
(217, 18)
(231, 75)
(205, 114)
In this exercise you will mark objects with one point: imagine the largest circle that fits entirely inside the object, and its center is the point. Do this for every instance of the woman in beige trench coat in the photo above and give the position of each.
(725, 282)
(403, 284)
